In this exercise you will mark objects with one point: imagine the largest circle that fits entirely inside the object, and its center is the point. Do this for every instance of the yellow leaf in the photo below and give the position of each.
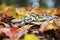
(30, 37)
(3, 5)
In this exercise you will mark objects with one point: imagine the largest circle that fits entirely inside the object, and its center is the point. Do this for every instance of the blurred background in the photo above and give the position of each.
(33, 3)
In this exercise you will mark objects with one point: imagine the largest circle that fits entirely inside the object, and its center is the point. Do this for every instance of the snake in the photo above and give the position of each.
(33, 17)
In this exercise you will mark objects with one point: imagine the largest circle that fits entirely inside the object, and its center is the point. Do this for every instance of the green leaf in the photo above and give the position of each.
(38, 23)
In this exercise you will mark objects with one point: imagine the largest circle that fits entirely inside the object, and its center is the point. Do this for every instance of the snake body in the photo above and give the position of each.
(31, 17)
